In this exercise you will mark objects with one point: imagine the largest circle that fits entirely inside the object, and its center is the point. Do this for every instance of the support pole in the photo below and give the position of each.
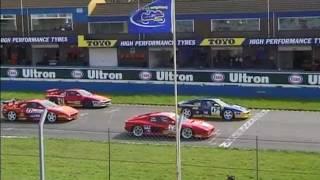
(257, 158)
(109, 154)
(268, 11)
(41, 144)
(178, 152)
(22, 17)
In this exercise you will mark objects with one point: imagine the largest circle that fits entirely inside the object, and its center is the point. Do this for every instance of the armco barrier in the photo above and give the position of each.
(214, 83)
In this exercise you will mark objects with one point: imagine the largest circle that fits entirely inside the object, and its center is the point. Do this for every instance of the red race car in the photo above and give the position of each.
(32, 110)
(163, 123)
(77, 98)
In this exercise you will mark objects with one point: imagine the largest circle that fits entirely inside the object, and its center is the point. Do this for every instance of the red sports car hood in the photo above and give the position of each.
(197, 123)
(65, 109)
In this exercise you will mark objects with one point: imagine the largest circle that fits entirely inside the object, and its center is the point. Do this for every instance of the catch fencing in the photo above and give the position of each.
(120, 156)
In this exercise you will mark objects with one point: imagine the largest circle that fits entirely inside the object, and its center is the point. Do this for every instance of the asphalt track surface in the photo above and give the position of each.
(280, 130)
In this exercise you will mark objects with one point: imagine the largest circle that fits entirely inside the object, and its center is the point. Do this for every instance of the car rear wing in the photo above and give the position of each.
(8, 102)
(54, 91)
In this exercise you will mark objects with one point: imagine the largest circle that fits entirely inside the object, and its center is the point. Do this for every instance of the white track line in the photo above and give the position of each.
(228, 142)
(218, 132)
(83, 114)
(49, 130)
(13, 137)
(111, 111)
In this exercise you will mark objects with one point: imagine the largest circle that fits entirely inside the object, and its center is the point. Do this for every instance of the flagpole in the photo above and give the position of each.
(178, 152)
(268, 11)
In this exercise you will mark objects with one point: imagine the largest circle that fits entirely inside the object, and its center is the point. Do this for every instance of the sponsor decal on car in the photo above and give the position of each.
(295, 79)
(33, 111)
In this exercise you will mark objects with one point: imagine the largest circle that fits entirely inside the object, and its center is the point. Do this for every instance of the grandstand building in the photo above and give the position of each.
(272, 35)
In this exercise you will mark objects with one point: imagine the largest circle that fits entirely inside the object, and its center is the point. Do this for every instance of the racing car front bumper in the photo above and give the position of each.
(243, 115)
(101, 103)
(207, 134)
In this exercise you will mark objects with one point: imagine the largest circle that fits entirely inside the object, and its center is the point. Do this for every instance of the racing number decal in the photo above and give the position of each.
(172, 128)
(215, 110)
(147, 128)
(32, 110)
(34, 113)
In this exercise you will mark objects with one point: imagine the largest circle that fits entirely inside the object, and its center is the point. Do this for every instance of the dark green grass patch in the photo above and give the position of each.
(83, 160)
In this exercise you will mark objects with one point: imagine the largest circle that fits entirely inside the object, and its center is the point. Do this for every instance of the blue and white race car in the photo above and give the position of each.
(212, 108)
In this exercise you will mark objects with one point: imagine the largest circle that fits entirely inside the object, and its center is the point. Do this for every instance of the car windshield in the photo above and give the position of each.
(221, 103)
(85, 93)
(47, 104)
(173, 116)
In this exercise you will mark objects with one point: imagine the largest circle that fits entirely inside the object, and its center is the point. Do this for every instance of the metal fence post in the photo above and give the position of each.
(257, 158)
(41, 144)
(1, 139)
(109, 154)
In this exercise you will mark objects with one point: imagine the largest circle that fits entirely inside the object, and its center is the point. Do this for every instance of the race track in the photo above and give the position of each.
(289, 130)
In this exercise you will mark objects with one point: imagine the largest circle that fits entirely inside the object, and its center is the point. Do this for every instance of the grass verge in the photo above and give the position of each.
(285, 104)
(83, 160)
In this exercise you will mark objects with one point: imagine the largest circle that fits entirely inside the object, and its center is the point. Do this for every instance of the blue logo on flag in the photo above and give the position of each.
(153, 17)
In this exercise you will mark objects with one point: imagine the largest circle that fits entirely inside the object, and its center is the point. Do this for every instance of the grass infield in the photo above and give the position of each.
(83, 160)
(261, 103)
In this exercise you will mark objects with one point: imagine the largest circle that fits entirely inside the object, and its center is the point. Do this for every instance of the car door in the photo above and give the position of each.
(33, 110)
(216, 109)
(206, 108)
(73, 98)
(171, 127)
(160, 125)
(196, 108)
(21, 109)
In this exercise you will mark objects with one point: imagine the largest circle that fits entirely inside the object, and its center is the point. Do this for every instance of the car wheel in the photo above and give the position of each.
(186, 112)
(51, 117)
(87, 104)
(12, 116)
(228, 115)
(186, 133)
(137, 131)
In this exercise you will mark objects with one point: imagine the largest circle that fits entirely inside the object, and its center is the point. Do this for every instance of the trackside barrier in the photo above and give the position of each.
(207, 82)
(184, 89)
